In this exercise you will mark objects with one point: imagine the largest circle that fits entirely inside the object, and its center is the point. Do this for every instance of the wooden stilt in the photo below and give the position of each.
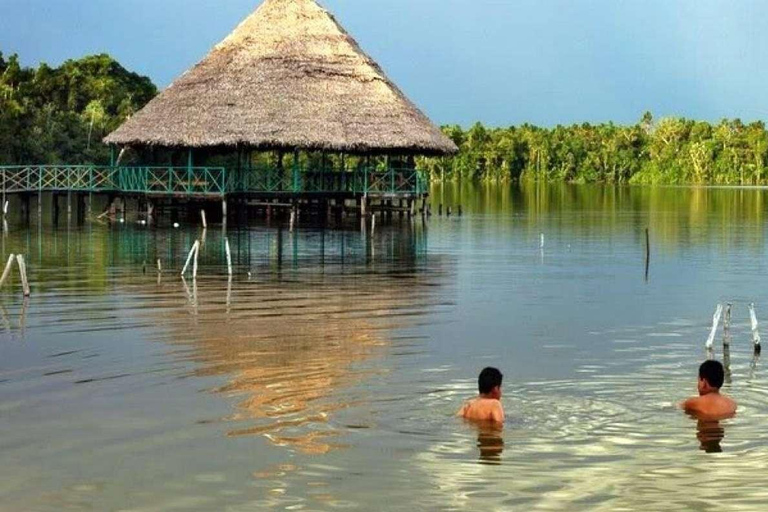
(191, 254)
(23, 274)
(7, 271)
(229, 256)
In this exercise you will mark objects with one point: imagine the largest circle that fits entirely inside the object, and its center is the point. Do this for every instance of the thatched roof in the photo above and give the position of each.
(288, 77)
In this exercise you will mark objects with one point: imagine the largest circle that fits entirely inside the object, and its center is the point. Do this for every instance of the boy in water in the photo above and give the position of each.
(486, 407)
(710, 404)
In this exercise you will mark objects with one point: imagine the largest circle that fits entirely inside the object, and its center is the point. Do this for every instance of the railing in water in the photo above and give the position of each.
(209, 181)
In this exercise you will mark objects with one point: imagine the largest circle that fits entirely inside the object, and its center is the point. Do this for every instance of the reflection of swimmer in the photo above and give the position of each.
(710, 404)
(490, 442)
(486, 407)
(710, 434)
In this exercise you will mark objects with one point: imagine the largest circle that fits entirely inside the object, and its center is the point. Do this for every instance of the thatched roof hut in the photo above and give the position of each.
(289, 77)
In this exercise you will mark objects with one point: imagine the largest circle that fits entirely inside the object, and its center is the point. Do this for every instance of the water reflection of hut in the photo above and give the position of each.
(294, 87)
(290, 349)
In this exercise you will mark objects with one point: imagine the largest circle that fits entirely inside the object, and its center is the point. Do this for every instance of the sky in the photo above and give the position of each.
(501, 62)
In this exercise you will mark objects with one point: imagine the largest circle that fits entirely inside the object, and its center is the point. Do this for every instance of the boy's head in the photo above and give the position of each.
(489, 383)
(711, 377)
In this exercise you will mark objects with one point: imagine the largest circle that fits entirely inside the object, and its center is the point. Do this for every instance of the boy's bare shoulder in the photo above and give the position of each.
(710, 405)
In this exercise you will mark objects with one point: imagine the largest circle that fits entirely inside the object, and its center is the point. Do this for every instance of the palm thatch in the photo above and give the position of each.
(289, 77)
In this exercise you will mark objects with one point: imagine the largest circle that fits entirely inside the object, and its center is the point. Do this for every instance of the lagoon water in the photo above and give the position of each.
(328, 378)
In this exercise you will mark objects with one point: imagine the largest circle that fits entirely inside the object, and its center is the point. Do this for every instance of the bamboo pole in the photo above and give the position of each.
(159, 266)
(192, 253)
(715, 322)
(229, 256)
(23, 273)
(194, 263)
(7, 271)
(755, 332)
(647, 253)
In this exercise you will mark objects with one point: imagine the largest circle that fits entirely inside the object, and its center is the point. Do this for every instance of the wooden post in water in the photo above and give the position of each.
(755, 332)
(202, 216)
(727, 325)
(229, 256)
(194, 263)
(7, 271)
(23, 274)
(715, 322)
(192, 253)
(224, 213)
(647, 253)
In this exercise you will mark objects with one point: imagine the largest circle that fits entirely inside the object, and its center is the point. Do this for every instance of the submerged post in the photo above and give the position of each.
(192, 252)
(647, 253)
(229, 256)
(7, 271)
(755, 332)
(715, 321)
(23, 274)
(194, 263)
(727, 325)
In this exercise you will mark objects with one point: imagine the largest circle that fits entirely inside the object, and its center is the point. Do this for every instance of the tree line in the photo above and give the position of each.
(668, 151)
(59, 115)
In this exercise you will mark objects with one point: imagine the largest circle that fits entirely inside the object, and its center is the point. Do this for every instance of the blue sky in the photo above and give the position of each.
(501, 62)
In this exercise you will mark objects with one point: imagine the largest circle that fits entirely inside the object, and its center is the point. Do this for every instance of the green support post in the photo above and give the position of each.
(296, 171)
(111, 155)
(189, 171)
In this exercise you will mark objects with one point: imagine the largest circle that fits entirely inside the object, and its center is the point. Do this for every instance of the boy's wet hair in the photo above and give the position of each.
(713, 373)
(489, 379)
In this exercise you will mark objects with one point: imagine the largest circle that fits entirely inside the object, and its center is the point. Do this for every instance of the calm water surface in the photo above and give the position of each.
(328, 377)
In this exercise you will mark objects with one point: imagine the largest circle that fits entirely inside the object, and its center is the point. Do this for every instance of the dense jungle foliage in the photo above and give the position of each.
(59, 115)
(667, 151)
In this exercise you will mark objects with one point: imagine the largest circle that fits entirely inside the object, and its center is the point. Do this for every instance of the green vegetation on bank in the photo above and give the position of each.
(59, 115)
(668, 151)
